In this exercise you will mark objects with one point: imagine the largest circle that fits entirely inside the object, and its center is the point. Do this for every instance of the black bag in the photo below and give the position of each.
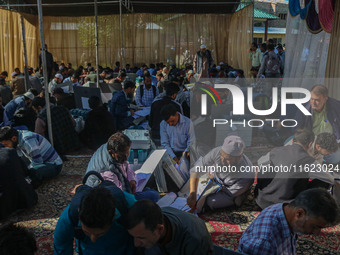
(81, 191)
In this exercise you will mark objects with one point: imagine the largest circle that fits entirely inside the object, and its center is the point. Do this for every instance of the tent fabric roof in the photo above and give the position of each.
(258, 14)
(107, 7)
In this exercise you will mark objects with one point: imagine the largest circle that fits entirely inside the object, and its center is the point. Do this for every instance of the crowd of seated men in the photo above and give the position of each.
(107, 215)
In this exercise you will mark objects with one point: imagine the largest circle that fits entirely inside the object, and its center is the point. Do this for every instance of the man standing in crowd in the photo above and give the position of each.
(276, 229)
(167, 230)
(45, 162)
(203, 62)
(49, 62)
(234, 184)
(255, 56)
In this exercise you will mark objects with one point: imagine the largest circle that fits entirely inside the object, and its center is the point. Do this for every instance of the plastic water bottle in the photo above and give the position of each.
(140, 156)
(131, 157)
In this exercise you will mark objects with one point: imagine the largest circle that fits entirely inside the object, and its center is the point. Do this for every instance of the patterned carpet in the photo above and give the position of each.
(226, 226)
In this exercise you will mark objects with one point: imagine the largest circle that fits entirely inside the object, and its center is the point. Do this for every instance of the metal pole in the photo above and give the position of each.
(43, 57)
(121, 33)
(253, 21)
(96, 36)
(23, 36)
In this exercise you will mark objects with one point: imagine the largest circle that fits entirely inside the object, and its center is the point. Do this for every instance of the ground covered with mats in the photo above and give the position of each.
(225, 226)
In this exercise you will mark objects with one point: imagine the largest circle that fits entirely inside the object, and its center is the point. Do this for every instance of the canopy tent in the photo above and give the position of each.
(107, 7)
(234, 31)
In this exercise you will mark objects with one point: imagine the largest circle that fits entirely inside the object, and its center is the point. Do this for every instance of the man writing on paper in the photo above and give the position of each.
(176, 132)
(235, 183)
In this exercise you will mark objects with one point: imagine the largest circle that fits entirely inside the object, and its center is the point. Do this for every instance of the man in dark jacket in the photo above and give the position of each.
(49, 62)
(203, 62)
(298, 167)
(65, 138)
(15, 192)
(325, 117)
(155, 120)
(120, 106)
(99, 125)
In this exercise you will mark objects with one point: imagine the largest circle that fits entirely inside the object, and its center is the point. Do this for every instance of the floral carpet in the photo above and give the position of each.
(225, 226)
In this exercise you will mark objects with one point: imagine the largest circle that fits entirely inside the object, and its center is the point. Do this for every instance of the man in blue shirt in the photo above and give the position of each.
(146, 93)
(23, 101)
(275, 230)
(99, 228)
(176, 132)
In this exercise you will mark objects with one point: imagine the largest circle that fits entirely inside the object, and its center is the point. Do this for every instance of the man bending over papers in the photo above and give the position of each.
(111, 161)
(167, 230)
(226, 163)
(176, 132)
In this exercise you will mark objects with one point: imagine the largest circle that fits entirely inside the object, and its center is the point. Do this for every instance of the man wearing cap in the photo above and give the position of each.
(23, 101)
(234, 183)
(58, 78)
(203, 62)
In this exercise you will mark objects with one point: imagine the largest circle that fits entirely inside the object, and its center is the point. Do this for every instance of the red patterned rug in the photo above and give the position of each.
(225, 226)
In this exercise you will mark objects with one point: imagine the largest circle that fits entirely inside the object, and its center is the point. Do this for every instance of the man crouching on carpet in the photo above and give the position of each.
(276, 229)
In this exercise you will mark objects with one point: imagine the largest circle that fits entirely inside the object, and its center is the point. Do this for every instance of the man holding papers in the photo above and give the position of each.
(225, 163)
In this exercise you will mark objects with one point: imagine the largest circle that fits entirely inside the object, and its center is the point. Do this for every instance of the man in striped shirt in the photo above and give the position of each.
(45, 162)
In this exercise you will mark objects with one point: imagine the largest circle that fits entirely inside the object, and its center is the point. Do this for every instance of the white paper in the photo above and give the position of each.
(167, 200)
(141, 180)
(85, 102)
(148, 168)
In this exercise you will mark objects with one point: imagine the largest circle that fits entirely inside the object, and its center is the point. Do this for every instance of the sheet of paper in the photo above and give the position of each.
(149, 167)
(85, 102)
(181, 204)
(167, 200)
(145, 111)
(141, 180)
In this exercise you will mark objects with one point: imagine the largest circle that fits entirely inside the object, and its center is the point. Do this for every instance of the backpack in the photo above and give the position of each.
(273, 64)
(142, 91)
(81, 191)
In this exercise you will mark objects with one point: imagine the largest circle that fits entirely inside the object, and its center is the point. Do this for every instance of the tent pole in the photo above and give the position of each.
(121, 33)
(253, 22)
(96, 36)
(43, 56)
(23, 36)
